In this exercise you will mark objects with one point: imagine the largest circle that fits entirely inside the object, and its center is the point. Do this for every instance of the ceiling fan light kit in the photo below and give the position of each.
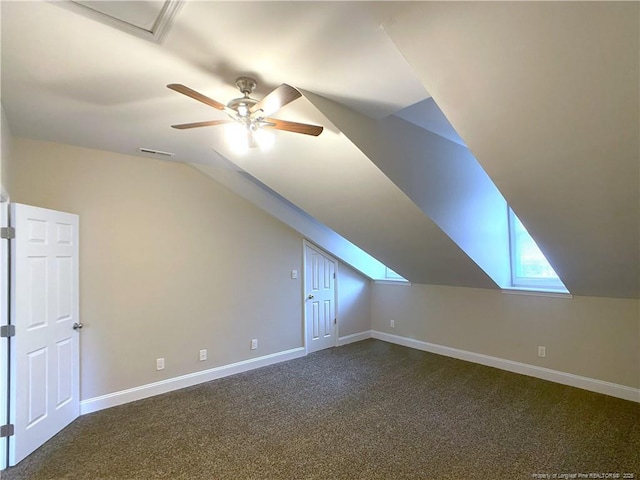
(248, 116)
(242, 105)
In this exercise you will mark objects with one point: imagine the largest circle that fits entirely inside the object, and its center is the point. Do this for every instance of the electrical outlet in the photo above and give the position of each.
(294, 274)
(203, 355)
(392, 323)
(254, 344)
(542, 351)
(159, 363)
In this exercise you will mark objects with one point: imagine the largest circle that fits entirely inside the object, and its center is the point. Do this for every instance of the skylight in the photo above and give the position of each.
(529, 267)
(393, 276)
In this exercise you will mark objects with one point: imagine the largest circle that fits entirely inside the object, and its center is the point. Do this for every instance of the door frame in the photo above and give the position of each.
(4, 320)
(306, 243)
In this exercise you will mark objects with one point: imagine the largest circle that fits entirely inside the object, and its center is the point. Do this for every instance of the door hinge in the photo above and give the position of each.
(334, 274)
(7, 232)
(6, 430)
(7, 331)
(335, 321)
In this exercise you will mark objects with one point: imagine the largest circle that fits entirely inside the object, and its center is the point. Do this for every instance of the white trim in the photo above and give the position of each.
(536, 292)
(303, 296)
(306, 243)
(156, 34)
(354, 337)
(403, 283)
(586, 383)
(4, 320)
(144, 391)
(137, 393)
(528, 283)
(392, 275)
(336, 302)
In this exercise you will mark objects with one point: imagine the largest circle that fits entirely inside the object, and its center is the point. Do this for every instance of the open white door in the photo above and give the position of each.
(4, 320)
(45, 367)
(320, 307)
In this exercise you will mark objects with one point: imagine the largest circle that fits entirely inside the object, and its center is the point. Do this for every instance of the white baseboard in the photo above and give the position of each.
(354, 337)
(144, 391)
(586, 383)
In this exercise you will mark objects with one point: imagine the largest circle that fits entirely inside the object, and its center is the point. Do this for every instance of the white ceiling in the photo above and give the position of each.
(70, 79)
(139, 13)
(547, 97)
(544, 95)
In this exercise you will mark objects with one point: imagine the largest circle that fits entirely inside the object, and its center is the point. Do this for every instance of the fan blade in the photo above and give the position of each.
(201, 124)
(275, 100)
(295, 127)
(196, 96)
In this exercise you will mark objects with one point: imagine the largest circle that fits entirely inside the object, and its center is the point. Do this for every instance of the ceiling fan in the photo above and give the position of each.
(250, 113)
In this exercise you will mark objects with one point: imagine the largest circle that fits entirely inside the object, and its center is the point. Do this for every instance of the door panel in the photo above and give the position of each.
(37, 375)
(64, 372)
(320, 299)
(44, 307)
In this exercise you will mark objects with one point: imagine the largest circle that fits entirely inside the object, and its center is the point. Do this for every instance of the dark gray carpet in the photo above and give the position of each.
(369, 410)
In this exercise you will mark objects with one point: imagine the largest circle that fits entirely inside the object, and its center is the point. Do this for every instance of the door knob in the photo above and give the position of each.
(310, 297)
(77, 326)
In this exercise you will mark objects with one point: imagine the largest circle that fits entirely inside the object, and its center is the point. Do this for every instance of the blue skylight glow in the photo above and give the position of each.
(529, 266)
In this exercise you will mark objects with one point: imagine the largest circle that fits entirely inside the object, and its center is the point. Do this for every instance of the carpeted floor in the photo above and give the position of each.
(369, 410)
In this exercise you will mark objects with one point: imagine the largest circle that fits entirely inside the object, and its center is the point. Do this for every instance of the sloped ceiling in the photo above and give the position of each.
(544, 94)
(337, 184)
(440, 177)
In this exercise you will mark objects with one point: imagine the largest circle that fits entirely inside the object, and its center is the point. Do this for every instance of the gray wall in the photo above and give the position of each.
(594, 337)
(354, 302)
(5, 150)
(171, 263)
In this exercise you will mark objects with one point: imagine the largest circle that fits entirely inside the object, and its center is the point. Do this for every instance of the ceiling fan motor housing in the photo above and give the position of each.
(246, 85)
(242, 105)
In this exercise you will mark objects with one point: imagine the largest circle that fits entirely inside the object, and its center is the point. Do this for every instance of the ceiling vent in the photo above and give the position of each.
(149, 19)
(155, 152)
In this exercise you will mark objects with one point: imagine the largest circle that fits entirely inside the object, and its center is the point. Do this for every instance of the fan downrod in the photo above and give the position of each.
(246, 85)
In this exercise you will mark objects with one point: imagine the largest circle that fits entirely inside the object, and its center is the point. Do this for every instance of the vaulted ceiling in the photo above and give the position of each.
(544, 95)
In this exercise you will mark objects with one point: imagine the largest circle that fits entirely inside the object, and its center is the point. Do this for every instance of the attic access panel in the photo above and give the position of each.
(148, 19)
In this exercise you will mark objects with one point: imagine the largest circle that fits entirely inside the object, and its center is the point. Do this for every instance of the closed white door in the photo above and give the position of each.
(44, 377)
(320, 309)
